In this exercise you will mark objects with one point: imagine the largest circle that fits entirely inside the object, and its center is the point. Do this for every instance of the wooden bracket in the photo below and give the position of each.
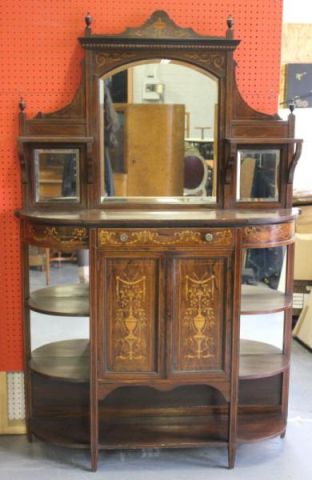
(294, 161)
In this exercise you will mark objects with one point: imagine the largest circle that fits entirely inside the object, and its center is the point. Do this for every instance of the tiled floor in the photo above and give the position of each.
(287, 459)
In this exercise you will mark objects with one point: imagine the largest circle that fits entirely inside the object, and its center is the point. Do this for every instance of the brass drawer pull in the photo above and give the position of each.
(208, 237)
(124, 237)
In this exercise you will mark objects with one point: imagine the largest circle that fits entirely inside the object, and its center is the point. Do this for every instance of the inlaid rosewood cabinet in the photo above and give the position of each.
(186, 339)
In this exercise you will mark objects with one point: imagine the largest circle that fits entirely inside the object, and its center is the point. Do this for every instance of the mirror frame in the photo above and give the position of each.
(156, 38)
(77, 124)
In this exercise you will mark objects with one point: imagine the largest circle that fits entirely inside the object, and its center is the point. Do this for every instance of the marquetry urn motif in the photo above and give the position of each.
(131, 297)
(129, 326)
(199, 318)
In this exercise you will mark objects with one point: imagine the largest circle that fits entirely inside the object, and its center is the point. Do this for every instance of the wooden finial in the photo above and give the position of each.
(88, 20)
(292, 105)
(230, 22)
(22, 104)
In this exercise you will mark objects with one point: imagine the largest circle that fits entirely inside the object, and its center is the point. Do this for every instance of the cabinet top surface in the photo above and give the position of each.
(194, 217)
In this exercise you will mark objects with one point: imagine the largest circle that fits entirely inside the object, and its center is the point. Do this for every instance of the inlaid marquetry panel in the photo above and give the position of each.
(166, 237)
(61, 238)
(198, 320)
(131, 301)
(268, 234)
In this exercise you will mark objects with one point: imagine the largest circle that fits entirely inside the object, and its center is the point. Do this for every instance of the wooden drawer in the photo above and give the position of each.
(268, 235)
(59, 238)
(165, 237)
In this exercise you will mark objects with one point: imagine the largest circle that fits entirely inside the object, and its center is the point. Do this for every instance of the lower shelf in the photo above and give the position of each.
(162, 433)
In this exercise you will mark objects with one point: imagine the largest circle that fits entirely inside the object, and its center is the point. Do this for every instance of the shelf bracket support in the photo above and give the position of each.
(294, 161)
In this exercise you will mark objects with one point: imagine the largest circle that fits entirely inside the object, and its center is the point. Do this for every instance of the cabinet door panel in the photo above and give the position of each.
(199, 314)
(130, 315)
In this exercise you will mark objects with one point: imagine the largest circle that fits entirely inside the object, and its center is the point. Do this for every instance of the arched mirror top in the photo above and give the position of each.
(158, 131)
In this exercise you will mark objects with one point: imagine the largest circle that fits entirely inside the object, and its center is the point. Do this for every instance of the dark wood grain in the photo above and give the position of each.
(258, 299)
(220, 400)
(170, 433)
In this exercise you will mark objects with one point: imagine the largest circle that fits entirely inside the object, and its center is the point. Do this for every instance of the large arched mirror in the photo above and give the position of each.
(158, 131)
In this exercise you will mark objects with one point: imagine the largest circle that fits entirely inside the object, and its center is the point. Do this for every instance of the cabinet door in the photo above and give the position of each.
(200, 315)
(130, 313)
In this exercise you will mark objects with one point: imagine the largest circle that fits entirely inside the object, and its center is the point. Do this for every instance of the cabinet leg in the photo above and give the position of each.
(94, 458)
(231, 456)
(283, 434)
(28, 431)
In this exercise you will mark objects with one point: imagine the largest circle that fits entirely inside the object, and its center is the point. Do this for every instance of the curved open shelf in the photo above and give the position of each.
(65, 360)
(255, 427)
(260, 360)
(65, 300)
(258, 299)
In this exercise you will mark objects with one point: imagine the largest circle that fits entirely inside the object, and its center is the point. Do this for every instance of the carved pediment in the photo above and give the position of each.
(160, 25)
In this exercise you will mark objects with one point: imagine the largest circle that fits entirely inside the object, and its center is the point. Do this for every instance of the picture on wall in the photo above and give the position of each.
(299, 84)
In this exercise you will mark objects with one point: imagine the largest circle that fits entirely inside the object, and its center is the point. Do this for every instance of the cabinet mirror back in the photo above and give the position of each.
(157, 120)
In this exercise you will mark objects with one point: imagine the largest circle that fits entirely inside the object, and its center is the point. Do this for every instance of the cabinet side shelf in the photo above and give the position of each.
(64, 300)
(260, 360)
(260, 299)
(64, 360)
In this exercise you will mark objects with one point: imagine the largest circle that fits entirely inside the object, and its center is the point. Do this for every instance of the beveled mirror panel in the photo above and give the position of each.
(56, 175)
(158, 125)
(258, 175)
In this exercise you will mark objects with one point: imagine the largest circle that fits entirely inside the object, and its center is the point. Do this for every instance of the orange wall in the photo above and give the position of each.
(39, 59)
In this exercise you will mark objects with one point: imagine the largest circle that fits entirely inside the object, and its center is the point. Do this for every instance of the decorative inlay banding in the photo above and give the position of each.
(165, 237)
(269, 234)
(62, 237)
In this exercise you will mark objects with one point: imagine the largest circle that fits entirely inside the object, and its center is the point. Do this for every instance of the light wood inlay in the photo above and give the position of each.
(198, 318)
(62, 238)
(131, 304)
(268, 234)
(166, 237)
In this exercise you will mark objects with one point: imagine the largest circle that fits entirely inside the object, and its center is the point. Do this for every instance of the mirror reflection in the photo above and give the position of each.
(159, 132)
(56, 175)
(257, 175)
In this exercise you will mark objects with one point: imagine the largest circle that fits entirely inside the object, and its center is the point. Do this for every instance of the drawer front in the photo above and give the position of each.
(165, 237)
(269, 234)
(60, 238)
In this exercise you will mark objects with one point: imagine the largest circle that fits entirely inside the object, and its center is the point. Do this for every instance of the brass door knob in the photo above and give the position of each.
(123, 237)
